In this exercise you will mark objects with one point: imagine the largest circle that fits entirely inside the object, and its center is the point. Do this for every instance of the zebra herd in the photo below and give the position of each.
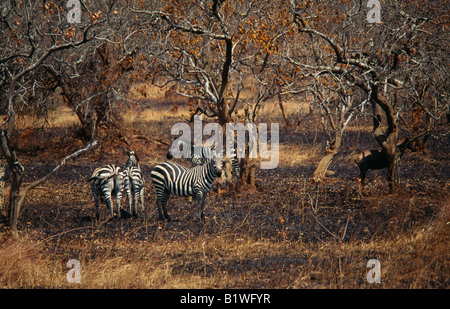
(168, 178)
(109, 181)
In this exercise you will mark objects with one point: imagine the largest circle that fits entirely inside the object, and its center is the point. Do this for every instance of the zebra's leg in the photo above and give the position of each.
(165, 198)
(118, 201)
(135, 200)
(201, 197)
(141, 193)
(128, 189)
(109, 203)
(161, 203)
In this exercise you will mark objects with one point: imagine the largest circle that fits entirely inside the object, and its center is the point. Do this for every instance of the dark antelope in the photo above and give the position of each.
(376, 160)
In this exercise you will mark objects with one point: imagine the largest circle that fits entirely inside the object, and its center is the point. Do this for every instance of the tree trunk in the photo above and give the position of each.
(283, 112)
(13, 212)
(17, 176)
(251, 176)
(244, 171)
(222, 107)
(393, 173)
(247, 164)
(319, 173)
(2, 188)
(390, 149)
(388, 141)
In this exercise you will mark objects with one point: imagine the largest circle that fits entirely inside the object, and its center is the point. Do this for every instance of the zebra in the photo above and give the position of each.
(170, 178)
(207, 151)
(189, 152)
(134, 186)
(133, 159)
(107, 181)
(133, 182)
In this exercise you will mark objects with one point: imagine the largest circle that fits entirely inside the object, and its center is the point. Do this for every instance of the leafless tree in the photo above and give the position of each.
(381, 59)
(35, 35)
(212, 49)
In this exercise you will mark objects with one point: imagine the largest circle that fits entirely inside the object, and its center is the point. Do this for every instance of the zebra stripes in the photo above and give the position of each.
(170, 178)
(133, 160)
(200, 157)
(106, 182)
(196, 155)
(134, 186)
(134, 183)
(109, 181)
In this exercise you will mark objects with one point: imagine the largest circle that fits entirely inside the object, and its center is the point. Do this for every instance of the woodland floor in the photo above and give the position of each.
(286, 233)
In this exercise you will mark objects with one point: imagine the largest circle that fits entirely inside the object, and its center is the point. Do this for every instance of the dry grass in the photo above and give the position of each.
(298, 155)
(284, 235)
(227, 261)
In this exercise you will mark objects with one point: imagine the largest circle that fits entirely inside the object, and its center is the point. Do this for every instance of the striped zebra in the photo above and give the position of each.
(199, 157)
(134, 186)
(107, 181)
(133, 182)
(133, 159)
(170, 178)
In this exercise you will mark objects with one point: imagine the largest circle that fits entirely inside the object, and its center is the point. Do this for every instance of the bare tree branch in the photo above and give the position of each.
(46, 177)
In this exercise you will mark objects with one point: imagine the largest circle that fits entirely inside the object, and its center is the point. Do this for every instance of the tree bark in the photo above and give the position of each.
(322, 167)
(2, 189)
(388, 141)
(17, 176)
(222, 106)
(247, 164)
(283, 112)
(16, 199)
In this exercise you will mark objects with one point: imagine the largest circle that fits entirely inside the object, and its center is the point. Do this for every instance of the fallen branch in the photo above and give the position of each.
(63, 162)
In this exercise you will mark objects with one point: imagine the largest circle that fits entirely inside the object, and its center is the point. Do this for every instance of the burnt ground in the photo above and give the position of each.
(65, 203)
(285, 207)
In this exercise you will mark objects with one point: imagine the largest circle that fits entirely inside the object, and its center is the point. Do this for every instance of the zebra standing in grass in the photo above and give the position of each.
(207, 151)
(133, 182)
(170, 178)
(107, 181)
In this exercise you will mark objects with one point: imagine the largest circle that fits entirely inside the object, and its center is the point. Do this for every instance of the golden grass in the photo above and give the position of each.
(299, 155)
(148, 115)
(23, 264)
(226, 261)
(63, 116)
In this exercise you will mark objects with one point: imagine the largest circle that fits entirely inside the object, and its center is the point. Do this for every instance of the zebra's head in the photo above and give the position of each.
(176, 145)
(218, 163)
(133, 159)
(131, 154)
(181, 148)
